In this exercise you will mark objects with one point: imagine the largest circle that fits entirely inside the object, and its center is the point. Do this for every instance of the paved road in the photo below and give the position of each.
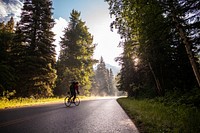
(94, 116)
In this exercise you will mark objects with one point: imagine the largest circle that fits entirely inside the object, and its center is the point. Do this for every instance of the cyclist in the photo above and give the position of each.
(73, 89)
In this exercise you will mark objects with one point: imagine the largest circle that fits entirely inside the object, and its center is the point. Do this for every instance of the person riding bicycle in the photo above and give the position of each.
(73, 89)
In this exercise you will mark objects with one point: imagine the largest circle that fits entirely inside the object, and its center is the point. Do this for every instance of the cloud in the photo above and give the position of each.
(13, 8)
(60, 25)
(9, 9)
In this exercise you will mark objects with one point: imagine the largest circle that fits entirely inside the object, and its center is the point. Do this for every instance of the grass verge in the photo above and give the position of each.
(154, 117)
(20, 102)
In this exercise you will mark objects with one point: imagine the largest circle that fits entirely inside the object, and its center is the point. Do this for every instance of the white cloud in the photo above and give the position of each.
(3, 12)
(60, 25)
(13, 8)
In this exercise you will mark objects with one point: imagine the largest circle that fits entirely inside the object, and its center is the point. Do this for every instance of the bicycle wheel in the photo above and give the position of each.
(77, 101)
(67, 101)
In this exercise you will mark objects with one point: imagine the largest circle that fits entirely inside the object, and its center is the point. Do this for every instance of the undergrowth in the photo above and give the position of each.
(155, 117)
(9, 101)
(18, 102)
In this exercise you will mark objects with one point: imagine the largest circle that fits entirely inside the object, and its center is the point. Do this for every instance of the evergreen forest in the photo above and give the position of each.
(160, 59)
(28, 65)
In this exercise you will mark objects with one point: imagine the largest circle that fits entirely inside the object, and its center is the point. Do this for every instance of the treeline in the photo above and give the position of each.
(161, 47)
(28, 53)
(103, 81)
(28, 66)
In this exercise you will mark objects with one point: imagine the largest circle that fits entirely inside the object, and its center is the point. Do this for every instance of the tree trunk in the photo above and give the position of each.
(159, 88)
(188, 48)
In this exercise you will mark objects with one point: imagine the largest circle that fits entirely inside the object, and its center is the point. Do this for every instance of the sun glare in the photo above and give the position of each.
(136, 61)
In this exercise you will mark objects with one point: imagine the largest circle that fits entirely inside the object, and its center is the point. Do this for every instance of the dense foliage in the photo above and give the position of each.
(75, 60)
(7, 77)
(30, 51)
(160, 41)
(36, 66)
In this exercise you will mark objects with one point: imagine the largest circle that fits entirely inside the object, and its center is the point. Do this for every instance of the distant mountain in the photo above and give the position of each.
(10, 8)
(115, 69)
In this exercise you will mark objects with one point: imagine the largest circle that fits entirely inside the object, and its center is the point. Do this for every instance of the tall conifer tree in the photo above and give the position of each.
(75, 60)
(6, 71)
(36, 70)
(111, 83)
(102, 78)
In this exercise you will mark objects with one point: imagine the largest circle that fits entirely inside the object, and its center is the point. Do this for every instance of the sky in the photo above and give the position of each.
(96, 15)
(10, 8)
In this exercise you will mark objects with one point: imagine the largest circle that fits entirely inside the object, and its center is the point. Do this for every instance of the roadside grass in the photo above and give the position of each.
(5, 103)
(155, 117)
(20, 102)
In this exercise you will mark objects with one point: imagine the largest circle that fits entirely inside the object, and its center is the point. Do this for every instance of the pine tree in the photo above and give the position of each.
(95, 86)
(36, 70)
(102, 78)
(7, 76)
(17, 56)
(111, 83)
(9, 27)
(75, 60)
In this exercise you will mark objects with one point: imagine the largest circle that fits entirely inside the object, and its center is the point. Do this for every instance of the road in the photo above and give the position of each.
(92, 116)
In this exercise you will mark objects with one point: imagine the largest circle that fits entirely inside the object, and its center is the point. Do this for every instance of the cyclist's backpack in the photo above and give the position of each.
(72, 88)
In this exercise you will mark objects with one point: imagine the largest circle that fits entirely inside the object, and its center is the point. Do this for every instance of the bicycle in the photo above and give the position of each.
(68, 101)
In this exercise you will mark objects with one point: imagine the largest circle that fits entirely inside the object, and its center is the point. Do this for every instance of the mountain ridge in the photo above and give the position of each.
(115, 69)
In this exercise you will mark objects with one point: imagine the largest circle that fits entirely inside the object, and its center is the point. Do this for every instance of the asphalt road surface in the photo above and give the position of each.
(92, 116)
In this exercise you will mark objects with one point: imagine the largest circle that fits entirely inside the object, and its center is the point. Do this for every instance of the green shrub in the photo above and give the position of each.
(7, 95)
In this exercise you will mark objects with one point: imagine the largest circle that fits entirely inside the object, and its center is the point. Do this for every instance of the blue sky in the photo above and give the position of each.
(62, 8)
(96, 15)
